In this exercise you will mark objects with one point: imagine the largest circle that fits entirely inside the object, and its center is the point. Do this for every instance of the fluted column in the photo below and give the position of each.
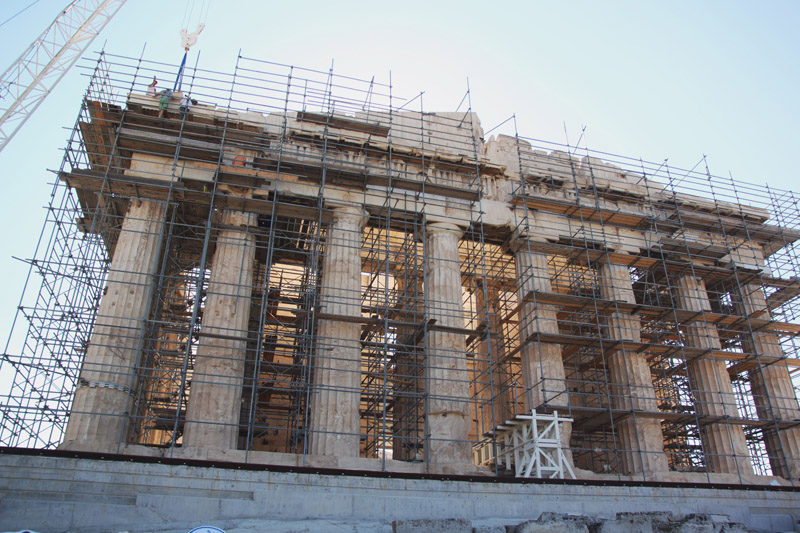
(336, 394)
(542, 365)
(772, 387)
(408, 373)
(724, 443)
(447, 380)
(98, 417)
(493, 394)
(639, 437)
(215, 399)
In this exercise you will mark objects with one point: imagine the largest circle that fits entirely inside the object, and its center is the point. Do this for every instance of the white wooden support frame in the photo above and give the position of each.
(531, 446)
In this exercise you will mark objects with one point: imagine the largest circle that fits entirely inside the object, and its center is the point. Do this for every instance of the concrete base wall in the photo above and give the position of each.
(56, 493)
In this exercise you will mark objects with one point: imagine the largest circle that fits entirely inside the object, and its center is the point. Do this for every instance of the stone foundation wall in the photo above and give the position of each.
(56, 493)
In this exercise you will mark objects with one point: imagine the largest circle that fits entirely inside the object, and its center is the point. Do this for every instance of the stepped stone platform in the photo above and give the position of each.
(77, 492)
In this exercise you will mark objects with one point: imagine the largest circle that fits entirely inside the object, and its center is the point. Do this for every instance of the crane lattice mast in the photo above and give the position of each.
(28, 81)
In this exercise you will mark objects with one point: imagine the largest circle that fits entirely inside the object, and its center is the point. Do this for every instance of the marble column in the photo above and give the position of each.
(542, 365)
(725, 445)
(408, 371)
(772, 387)
(98, 418)
(640, 441)
(492, 388)
(215, 397)
(447, 380)
(336, 395)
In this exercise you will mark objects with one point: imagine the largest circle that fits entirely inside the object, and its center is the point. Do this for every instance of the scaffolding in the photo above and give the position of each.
(655, 307)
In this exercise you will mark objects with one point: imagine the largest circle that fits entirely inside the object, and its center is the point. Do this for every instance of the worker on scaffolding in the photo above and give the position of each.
(163, 103)
(188, 39)
(151, 89)
(186, 104)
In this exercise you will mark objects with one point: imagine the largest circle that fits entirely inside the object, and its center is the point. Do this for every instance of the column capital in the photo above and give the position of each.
(519, 244)
(444, 227)
(233, 219)
(521, 241)
(235, 190)
(611, 258)
(352, 213)
(689, 278)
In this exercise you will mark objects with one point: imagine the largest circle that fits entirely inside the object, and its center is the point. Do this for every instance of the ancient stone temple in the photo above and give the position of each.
(303, 275)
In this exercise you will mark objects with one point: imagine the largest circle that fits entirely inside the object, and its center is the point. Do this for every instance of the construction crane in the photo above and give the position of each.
(28, 81)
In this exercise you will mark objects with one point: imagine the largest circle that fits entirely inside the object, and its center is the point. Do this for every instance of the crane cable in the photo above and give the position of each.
(4, 89)
(189, 12)
(18, 13)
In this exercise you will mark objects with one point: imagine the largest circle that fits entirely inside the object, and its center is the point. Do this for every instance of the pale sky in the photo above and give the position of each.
(655, 80)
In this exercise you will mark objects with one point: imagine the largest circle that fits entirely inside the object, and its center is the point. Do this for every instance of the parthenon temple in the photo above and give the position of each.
(286, 267)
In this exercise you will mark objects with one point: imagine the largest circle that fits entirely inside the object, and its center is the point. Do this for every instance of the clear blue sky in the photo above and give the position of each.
(674, 79)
